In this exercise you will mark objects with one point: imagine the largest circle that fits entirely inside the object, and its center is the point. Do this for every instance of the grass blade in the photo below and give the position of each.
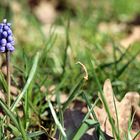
(30, 78)
(3, 82)
(56, 120)
(9, 113)
(136, 135)
(105, 103)
(83, 128)
(31, 135)
(15, 131)
(73, 93)
(126, 65)
(91, 110)
(23, 133)
(98, 129)
(89, 105)
(102, 66)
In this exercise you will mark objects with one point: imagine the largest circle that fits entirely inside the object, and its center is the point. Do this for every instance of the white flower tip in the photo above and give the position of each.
(4, 20)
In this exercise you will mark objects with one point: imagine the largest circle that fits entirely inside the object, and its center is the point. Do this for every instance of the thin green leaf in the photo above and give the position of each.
(105, 103)
(138, 133)
(23, 133)
(3, 82)
(9, 113)
(1, 129)
(91, 109)
(126, 65)
(84, 127)
(98, 129)
(57, 120)
(73, 93)
(15, 131)
(31, 135)
(89, 105)
(66, 47)
(117, 61)
(30, 78)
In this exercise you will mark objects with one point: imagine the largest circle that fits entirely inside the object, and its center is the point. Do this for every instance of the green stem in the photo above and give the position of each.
(105, 104)
(8, 86)
(8, 78)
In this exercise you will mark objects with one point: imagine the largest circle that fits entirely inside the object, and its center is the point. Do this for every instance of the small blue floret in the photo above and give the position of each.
(6, 37)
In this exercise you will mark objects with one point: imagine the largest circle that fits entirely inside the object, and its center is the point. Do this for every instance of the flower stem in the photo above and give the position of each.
(8, 78)
(8, 86)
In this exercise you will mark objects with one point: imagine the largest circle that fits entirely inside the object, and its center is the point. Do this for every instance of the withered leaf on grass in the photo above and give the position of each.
(125, 109)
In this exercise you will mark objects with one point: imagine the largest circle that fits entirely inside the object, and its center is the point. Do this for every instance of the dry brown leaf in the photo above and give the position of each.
(111, 27)
(124, 110)
(4, 70)
(45, 12)
(63, 97)
(14, 90)
(133, 37)
(20, 113)
(2, 96)
(43, 89)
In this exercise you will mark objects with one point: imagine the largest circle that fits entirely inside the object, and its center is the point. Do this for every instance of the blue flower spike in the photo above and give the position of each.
(6, 37)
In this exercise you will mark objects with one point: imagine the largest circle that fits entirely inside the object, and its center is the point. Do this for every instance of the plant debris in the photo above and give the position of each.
(125, 110)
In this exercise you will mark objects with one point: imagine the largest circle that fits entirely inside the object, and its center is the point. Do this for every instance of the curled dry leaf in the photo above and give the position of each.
(125, 109)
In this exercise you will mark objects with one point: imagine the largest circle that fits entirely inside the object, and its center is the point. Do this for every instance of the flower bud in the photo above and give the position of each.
(6, 37)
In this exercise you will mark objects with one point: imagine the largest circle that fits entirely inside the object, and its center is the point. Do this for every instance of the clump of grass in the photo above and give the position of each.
(54, 65)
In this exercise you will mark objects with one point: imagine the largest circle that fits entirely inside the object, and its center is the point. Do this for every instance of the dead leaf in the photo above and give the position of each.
(124, 110)
(2, 96)
(45, 12)
(63, 97)
(133, 37)
(14, 90)
(43, 89)
(4, 69)
(111, 27)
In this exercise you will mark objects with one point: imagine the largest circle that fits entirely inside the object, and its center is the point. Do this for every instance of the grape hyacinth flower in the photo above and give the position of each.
(6, 37)
(7, 46)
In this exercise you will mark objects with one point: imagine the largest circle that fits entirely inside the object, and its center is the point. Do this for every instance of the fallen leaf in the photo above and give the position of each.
(133, 37)
(111, 27)
(14, 90)
(124, 110)
(4, 69)
(43, 89)
(45, 12)
(2, 96)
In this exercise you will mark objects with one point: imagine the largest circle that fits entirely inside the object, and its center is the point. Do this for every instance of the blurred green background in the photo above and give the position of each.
(67, 31)
(105, 33)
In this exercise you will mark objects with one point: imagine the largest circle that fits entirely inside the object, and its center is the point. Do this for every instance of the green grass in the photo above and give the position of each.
(50, 61)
